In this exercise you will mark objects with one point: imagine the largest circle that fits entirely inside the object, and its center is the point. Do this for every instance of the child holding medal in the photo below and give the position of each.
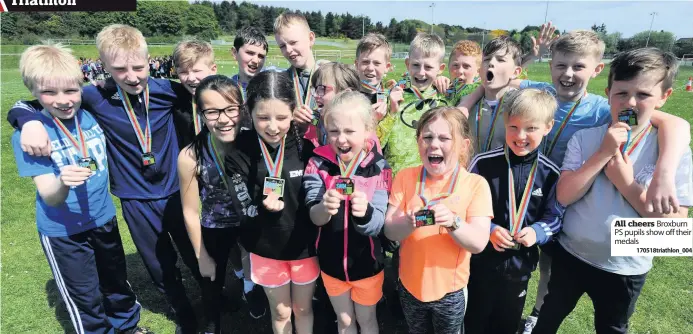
(265, 171)
(372, 63)
(434, 266)
(205, 191)
(346, 186)
(75, 215)
(524, 183)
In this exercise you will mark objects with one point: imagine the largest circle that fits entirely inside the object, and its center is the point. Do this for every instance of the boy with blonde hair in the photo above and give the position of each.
(142, 154)
(75, 215)
(372, 63)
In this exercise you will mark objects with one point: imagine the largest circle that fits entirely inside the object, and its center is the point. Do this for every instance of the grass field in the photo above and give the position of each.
(31, 303)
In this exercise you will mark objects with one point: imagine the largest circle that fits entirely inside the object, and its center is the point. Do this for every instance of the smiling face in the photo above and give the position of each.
(644, 94)
(324, 95)
(464, 68)
(221, 116)
(346, 132)
(498, 69)
(61, 98)
(437, 148)
(524, 134)
(191, 77)
(251, 59)
(372, 65)
(130, 70)
(423, 70)
(571, 72)
(295, 42)
(272, 119)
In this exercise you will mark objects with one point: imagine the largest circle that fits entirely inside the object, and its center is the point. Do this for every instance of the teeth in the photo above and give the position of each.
(567, 84)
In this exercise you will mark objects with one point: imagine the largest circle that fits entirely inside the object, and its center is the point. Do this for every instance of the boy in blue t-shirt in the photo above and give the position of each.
(75, 215)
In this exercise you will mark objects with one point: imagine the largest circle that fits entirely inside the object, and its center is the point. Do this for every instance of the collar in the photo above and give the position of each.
(527, 159)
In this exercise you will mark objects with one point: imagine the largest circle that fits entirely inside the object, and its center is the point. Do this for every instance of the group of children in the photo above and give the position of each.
(309, 174)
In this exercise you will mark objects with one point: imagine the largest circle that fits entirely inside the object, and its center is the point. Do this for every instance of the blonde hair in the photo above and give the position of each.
(285, 19)
(344, 76)
(356, 104)
(49, 62)
(467, 48)
(187, 53)
(117, 38)
(530, 103)
(373, 41)
(459, 128)
(582, 42)
(429, 44)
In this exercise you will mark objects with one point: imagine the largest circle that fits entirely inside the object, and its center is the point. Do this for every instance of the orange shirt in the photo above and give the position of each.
(432, 264)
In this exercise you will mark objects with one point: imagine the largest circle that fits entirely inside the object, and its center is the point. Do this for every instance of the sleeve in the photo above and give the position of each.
(602, 111)
(398, 190)
(552, 219)
(372, 222)
(534, 84)
(481, 203)
(23, 112)
(572, 160)
(313, 184)
(684, 180)
(28, 165)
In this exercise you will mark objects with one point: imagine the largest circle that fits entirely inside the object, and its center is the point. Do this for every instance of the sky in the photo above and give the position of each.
(627, 17)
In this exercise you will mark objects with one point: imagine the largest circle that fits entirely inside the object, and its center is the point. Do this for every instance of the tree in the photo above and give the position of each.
(331, 29)
(599, 29)
(663, 40)
(681, 47)
(162, 18)
(226, 16)
(200, 22)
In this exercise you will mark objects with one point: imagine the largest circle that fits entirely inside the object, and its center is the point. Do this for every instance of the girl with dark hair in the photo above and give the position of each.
(265, 169)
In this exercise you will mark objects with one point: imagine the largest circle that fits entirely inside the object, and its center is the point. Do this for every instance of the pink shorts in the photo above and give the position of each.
(272, 273)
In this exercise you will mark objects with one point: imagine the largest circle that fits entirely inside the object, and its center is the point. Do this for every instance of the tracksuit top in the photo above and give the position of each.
(544, 213)
(349, 247)
(284, 235)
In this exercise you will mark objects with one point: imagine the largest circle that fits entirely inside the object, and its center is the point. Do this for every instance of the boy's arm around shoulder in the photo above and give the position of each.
(551, 220)
(26, 117)
(373, 221)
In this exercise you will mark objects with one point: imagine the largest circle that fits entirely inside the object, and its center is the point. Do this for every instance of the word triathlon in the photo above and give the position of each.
(44, 3)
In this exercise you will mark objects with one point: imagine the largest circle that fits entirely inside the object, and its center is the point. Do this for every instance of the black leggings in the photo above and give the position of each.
(443, 316)
(218, 242)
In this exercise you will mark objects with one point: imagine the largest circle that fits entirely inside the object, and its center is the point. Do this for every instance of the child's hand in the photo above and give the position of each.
(526, 237)
(444, 217)
(208, 267)
(34, 139)
(411, 217)
(441, 84)
(303, 115)
(619, 170)
(273, 203)
(500, 239)
(359, 204)
(331, 201)
(73, 175)
(661, 195)
(546, 37)
(396, 96)
(615, 136)
(379, 110)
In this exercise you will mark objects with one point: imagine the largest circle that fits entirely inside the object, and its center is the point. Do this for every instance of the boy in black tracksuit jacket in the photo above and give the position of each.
(499, 274)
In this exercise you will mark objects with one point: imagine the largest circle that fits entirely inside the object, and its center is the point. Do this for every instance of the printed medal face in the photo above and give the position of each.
(425, 218)
(148, 159)
(345, 186)
(380, 97)
(516, 246)
(88, 163)
(628, 116)
(316, 117)
(273, 185)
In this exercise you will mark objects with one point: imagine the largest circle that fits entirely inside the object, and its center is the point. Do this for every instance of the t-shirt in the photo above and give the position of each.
(432, 263)
(87, 206)
(587, 223)
(592, 111)
(487, 125)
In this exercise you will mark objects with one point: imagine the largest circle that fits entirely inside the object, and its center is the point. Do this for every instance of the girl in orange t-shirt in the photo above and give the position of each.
(441, 213)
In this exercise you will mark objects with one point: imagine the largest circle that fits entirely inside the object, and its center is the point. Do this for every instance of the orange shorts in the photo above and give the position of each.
(272, 273)
(366, 292)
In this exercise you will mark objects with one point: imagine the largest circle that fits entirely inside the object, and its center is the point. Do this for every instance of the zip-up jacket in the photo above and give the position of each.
(544, 213)
(284, 235)
(349, 247)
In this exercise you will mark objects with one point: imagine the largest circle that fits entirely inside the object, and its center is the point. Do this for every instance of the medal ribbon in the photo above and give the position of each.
(242, 90)
(274, 168)
(492, 127)
(418, 94)
(370, 88)
(441, 196)
(218, 161)
(548, 149)
(517, 214)
(78, 143)
(304, 97)
(630, 146)
(348, 171)
(143, 137)
(196, 118)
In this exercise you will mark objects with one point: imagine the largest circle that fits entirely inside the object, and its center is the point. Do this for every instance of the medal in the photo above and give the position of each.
(274, 183)
(316, 117)
(345, 184)
(517, 213)
(144, 138)
(629, 117)
(79, 143)
(426, 216)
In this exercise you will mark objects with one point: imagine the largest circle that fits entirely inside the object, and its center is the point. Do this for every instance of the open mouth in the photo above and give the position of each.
(421, 81)
(489, 76)
(252, 68)
(567, 84)
(225, 129)
(65, 110)
(133, 85)
(521, 144)
(435, 159)
(344, 150)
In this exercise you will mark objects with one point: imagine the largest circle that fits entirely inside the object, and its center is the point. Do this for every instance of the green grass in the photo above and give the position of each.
(31, 304)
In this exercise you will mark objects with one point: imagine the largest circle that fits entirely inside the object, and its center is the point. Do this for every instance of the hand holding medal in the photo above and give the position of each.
(443, 216)
(526, 237)
(501, 239)
(359, 204)
(518, 211)
(331, 201)
(427, 216)
(273, 203)
(74, 175)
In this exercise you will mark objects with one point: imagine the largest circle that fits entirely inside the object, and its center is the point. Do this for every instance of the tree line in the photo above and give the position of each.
(168, 22)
